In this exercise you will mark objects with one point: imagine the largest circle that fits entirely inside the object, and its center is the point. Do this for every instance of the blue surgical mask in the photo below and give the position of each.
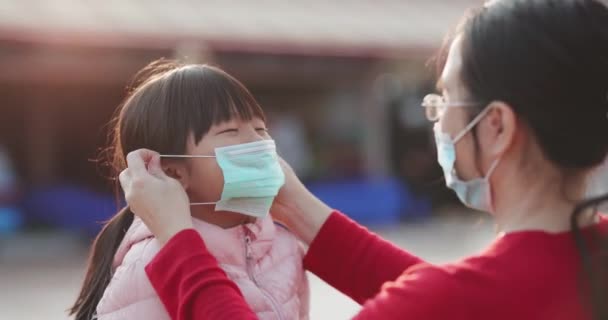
(252, 177)
(476, 193)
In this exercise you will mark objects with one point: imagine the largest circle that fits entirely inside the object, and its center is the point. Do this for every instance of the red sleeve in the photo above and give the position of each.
(191, 284)
(425, 293)
(353, 260)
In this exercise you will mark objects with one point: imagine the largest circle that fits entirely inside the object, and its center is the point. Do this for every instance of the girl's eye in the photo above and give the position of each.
(228, 131)
(262, 129)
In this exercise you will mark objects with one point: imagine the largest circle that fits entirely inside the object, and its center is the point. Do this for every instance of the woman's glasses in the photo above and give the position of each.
(435, 106)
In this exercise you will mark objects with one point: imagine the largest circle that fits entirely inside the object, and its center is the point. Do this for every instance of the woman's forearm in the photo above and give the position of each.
(354, 260)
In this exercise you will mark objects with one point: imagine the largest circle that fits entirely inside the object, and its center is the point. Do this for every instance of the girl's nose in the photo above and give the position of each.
(250, 134)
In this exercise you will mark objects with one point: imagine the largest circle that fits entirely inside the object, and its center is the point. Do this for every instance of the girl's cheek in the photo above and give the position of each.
(208, 180)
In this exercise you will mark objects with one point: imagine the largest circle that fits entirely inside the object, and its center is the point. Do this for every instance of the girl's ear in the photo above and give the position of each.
(178, 171)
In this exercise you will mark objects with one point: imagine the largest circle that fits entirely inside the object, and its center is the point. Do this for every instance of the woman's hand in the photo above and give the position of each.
(160, 201)
(298, 208)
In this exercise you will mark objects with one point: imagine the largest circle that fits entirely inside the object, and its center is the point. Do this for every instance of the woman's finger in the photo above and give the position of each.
(123, 178)
(136, 161)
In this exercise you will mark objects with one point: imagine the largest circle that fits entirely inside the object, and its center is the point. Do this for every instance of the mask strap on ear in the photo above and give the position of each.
(190, 156)
(492, 168)
(472, 124)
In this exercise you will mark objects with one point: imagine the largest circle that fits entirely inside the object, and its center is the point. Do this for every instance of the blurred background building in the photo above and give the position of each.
(341, 82)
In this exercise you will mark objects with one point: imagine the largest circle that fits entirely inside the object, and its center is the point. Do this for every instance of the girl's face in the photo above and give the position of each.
(204, 180)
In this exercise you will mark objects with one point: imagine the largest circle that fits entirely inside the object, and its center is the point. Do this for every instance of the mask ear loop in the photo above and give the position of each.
(183, 156)
(190, 156)
(468, 128)
(472, 124)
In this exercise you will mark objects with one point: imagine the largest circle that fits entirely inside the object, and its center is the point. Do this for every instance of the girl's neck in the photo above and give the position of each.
(222, 219)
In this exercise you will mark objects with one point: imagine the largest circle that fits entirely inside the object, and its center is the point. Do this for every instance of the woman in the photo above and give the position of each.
(521, 123)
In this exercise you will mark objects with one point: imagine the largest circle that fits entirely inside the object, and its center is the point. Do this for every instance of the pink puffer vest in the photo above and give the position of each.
(262, 258)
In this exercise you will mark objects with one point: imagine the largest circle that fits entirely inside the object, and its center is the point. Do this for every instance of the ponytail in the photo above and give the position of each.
(99, 270)
(594, 260)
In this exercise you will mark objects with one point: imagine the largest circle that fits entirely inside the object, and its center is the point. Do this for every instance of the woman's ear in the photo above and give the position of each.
(499, 129)
(178, 171)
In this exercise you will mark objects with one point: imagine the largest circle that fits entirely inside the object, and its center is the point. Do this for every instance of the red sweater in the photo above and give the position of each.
(523, 275)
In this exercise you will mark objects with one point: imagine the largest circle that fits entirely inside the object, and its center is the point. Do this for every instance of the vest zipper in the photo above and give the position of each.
(249, 258)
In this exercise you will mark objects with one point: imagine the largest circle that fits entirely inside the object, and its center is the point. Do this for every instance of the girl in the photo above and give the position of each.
(216, 145)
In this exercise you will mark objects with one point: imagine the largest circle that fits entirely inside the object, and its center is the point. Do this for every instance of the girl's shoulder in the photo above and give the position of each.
(130, 291)
(141, 252)
(138, 244)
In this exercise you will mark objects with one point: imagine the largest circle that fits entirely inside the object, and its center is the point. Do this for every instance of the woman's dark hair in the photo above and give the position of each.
(548, 59)
(168, 103)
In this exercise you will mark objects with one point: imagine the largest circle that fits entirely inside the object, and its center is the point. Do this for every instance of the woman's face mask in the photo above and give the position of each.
(474, 193)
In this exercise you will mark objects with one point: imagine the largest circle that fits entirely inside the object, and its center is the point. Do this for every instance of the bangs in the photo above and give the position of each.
(209, 96)
(173, 102)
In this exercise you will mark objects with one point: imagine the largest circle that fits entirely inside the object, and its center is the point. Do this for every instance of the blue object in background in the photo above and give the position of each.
(372, 201)
(11, 220)
(70, 207)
